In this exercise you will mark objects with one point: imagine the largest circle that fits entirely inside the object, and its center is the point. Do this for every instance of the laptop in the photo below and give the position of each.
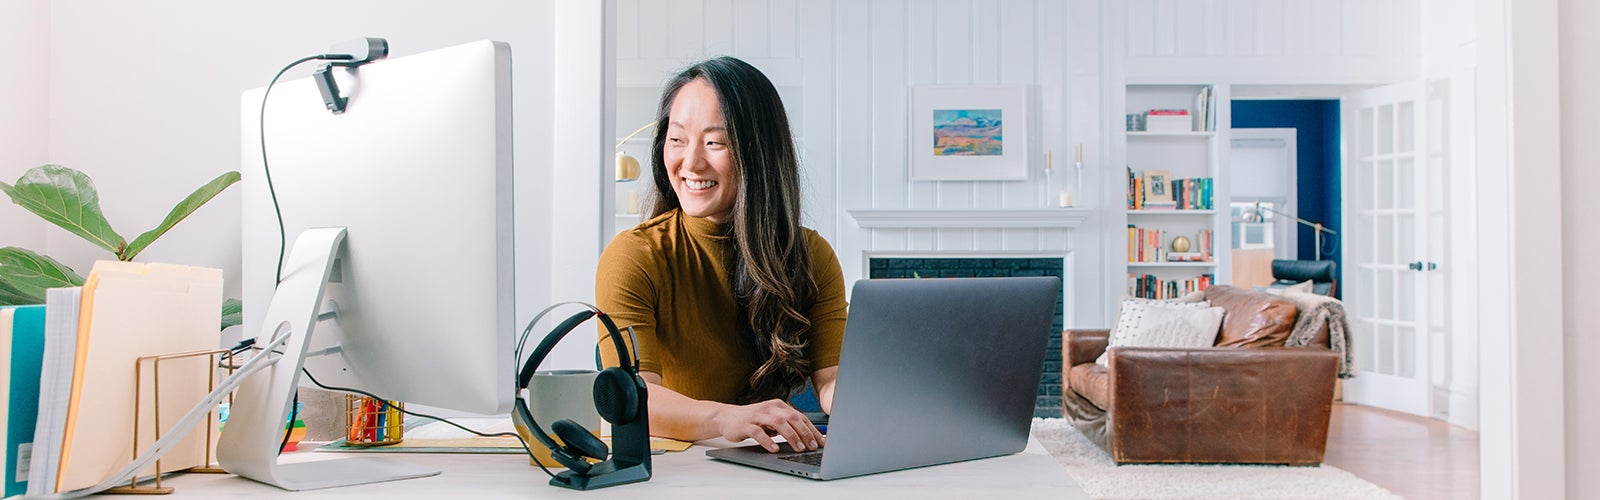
(932, 371)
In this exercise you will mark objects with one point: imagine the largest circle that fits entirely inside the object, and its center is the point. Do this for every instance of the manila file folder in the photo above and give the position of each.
(131, 310)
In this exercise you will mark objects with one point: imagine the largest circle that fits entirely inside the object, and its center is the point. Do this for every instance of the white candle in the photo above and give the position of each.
(1066, 198)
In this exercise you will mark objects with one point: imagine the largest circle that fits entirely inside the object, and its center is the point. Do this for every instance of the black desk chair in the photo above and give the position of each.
(1321, 273)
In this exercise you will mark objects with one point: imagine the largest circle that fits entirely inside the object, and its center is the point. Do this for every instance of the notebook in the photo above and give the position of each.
(932, 371)
(27, 350)
(55, 385)
(7, 316)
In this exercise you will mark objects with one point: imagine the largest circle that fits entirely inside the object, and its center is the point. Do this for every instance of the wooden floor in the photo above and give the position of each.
(1412, 456)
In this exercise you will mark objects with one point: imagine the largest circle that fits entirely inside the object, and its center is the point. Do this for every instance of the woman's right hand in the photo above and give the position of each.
(761, 421)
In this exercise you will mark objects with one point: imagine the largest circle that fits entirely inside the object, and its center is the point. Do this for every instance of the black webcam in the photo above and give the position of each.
(347, 54)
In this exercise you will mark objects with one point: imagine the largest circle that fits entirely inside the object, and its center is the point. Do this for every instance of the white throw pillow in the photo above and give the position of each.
(1194, 300)
(1153, 324)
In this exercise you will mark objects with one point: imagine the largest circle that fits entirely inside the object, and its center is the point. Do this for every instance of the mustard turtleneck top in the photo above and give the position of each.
(668, 278)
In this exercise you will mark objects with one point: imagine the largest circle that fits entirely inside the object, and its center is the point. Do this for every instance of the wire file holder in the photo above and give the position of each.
(215, 357)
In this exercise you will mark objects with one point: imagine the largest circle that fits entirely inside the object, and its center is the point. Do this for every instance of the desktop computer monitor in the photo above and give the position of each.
(416, 303)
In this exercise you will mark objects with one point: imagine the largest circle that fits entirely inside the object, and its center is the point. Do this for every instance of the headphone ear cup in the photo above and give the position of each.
(616, 397)
(579, 440)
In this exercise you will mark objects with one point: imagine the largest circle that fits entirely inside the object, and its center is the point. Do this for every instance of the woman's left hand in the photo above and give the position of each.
(761, 421)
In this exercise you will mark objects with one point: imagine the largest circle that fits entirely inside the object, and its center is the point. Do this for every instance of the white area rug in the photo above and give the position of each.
(1100, 477)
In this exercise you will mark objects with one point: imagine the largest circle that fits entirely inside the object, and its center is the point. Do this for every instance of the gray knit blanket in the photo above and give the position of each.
(1317, 311)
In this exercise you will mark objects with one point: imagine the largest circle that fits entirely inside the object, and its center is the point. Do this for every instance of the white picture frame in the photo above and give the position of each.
(970, 133)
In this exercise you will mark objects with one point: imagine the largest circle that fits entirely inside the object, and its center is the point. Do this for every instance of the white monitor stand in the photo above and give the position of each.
(252, 438)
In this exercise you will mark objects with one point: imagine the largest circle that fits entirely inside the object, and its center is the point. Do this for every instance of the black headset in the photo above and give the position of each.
(619, 397)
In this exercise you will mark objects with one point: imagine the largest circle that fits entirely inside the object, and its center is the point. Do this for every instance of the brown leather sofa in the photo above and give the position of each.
(1249, 399)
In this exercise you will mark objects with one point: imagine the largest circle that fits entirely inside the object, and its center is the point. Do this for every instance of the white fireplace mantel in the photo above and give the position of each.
(981, 219)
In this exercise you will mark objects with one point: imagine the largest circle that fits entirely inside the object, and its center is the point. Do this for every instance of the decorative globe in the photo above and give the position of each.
(1180, 244)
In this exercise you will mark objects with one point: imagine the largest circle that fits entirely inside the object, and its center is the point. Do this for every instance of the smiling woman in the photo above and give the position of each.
(734, 304)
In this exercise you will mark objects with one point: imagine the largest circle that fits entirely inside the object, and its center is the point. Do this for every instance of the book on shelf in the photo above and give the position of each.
(1149, 286)
(1205, 115)
(1188, 257)
(1193, 193)
(1145, 245)
(1135, 185)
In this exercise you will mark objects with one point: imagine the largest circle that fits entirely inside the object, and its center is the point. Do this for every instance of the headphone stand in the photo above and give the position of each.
(629, 462)
(250, 443)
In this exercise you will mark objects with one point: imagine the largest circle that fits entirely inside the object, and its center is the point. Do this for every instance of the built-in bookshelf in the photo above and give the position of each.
(1175, 155)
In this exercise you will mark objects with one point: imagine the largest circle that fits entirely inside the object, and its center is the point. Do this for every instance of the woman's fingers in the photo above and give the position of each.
(760, 435)
(793, 426)
(791, 434)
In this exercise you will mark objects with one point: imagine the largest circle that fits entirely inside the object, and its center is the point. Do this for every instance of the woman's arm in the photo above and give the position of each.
(676, 416)
(822, 380)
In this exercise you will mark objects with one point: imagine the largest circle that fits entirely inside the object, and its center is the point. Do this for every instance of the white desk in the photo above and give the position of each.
(686, 475)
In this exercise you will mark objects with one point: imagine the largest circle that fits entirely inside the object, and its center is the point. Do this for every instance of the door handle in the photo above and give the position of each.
(1415, 266)
(1419, 266)
(1433, 266)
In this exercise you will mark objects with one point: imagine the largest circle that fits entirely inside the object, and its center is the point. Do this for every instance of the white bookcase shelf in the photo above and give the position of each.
(1176, 213)
(1184, 155)
(1195, 135)
(1203, 265)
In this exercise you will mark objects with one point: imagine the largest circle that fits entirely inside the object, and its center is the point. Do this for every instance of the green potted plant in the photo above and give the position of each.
(67, 198)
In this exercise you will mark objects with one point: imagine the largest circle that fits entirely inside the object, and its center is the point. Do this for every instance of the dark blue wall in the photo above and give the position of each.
(1317, 141)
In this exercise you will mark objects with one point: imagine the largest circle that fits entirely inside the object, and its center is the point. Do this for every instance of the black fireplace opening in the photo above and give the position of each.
(1048, 403)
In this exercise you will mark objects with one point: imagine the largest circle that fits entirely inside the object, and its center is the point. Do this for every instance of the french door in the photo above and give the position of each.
(1386, 243)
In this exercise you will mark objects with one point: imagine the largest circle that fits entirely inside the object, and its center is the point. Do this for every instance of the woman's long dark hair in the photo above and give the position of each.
(771, 271)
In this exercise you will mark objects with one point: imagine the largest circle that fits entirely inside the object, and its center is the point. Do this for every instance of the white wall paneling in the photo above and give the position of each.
(686, 28)
(717, 27)
(856, 131)
(1269, 41)
(781, 15)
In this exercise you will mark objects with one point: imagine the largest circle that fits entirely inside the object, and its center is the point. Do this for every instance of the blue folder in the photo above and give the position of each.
(27, 355)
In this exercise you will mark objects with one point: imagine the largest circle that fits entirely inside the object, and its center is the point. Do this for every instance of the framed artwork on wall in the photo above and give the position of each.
(969, 133)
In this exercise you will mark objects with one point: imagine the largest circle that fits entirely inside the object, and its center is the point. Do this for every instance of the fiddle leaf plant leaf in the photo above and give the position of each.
(11, 296)
(66, 198)
(196, 199)
(30, 274)
(232, 312)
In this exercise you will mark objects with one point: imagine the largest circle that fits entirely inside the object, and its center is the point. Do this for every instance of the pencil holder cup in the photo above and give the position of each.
(373, 422)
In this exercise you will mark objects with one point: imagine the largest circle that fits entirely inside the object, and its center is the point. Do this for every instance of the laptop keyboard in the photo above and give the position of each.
(812, 458)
